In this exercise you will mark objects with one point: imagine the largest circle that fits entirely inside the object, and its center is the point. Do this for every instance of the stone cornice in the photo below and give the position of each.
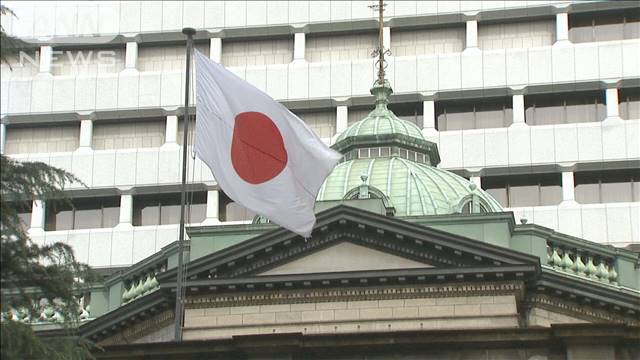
(360, 293)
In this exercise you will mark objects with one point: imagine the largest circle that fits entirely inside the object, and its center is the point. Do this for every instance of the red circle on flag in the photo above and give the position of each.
(257, 150)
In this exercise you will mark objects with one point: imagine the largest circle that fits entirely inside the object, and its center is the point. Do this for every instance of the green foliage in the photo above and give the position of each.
(31, 272)
(19, 342)
(8, 45)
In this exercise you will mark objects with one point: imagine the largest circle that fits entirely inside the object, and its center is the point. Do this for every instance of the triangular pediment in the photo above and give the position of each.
(344, 256)
(371, 242)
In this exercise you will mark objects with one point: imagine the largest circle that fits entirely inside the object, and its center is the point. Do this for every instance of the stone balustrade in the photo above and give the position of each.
(582, 263)
(143, 283)
(49, 311)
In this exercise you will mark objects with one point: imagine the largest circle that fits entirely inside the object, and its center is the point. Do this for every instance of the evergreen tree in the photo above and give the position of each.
(36, 279)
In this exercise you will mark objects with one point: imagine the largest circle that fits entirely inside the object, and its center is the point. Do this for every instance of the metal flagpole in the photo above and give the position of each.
(179, 314)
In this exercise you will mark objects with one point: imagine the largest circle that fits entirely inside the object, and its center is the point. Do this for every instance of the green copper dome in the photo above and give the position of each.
(381, 121)
(413, 188)
(397, 163)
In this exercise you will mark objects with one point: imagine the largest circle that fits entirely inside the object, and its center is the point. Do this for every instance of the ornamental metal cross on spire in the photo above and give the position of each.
(380, 52)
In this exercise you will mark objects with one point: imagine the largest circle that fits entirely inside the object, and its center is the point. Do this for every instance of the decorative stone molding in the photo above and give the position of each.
(357, 294)
(577, 310)
(140, 329)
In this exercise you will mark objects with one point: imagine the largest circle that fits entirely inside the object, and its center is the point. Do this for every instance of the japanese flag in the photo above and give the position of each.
(262, 156)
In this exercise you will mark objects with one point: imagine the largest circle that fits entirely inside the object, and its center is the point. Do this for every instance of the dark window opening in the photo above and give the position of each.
(525, 190)
(23, 211)
(412, 112)
(615, 25)
(629, 99)
(597, 187)
(163, 209)
(232, 211)
(82, 213)
(568, 108)
(481, 114)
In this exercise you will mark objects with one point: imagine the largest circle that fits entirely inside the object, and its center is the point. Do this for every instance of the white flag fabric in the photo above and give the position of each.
(263, 156)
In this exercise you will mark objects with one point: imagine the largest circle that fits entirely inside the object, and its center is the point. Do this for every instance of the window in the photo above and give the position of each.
(83, 213)
(128, 133)
(518, 34)
(412, 112)
(163, 209)
(265, 51)
(629, 103)
(596, 187)
(377, 152)
(23, 209)
(412, 42)
(617, 25)
(232, 211)
(567, 108)
(42, 138)
(525, 190)
(339, 47)
(323, 122)
(481, 114)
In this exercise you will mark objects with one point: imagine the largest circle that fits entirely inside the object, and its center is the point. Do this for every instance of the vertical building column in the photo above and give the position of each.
(131, 56)
(562, 27)
(213, 207)
(299, 46)
(215, 49)
(386, 37)
(46, 57)
(126, 210)
(518, 110)
(37, 215)
(568, 186)
(3, 137)
(612, 103)
(171, 130)
(342, 118)
(86, 134)
(472, 34)
(429, 115)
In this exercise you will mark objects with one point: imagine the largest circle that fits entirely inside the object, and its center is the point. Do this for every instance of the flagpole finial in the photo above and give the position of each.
(189, 31)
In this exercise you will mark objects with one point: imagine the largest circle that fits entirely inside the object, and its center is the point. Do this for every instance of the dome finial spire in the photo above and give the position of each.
(380, 52)
(381, 88)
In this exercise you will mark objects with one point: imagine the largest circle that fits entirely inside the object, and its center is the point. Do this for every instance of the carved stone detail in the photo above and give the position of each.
(140, 329)
(355, 294)
(271, 257)
(578, 310)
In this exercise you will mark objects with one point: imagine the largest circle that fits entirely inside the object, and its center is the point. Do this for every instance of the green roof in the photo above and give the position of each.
(405, 175)
(413, 188)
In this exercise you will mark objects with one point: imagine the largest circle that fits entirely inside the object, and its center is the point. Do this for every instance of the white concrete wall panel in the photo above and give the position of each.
(425, 61)
(106, 18)
(586, 61)
(469, 70)
(610, 59)
(122, 247)
(104, 172)
(632, 130)
(62, 88)
(614, 224)
(150, 16)
(41, 93)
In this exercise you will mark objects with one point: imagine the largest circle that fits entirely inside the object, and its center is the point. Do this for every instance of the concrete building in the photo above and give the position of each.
(537, 103)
